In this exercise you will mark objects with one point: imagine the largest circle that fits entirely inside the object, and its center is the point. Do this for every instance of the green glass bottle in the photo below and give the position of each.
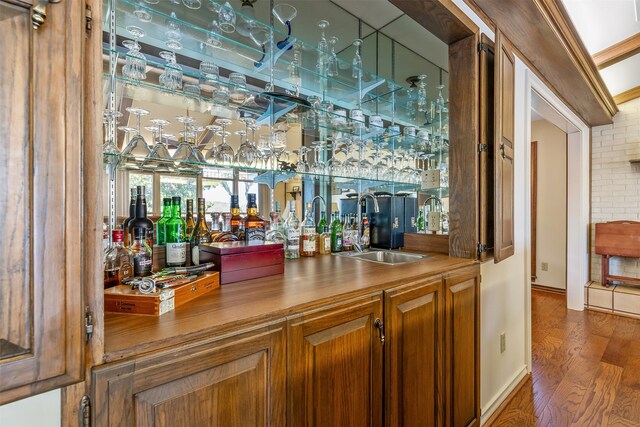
(420, 224)
(161, 232)
(336, 233)
(176, 250)
(322, 223)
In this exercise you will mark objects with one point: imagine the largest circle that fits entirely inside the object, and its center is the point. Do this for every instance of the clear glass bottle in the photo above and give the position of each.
(142, 257)
(189, 220)
(336, 233)
(254, 226)
(118, 261)
(347, 242)
(276, 227)
(176, 249)
(200, 233)
(161, 231)
(292, 233)
(365, 233)
(308, 237)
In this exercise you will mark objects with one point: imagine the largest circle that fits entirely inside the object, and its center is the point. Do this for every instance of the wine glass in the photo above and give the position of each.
(171, 77)
(422, 93)
(227, 18)
(332, 64)
(109, 145)
(159, 159)
(334, 165)
(356, 69)
(278, 145)
(319, 166)
(265, 149)
(135, 67)
(247, 153)
(323, 47)
(137, 149)
(196, 130)
(184, 154)
(211, 155)
(285, 13)
(224, 154)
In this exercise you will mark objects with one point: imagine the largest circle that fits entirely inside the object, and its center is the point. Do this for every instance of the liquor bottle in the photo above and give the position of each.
(118, 261)
(237, 222)
(308, 238)
(254, 229)
(420, 224)
(140, 220)
(324, 241)
(200, 234)
(132, 215)
(142, 258)
(191, 224)
(161, 231)
(336, 233)
(321, 224)
(276, 227)
(347, 242)
(105, 237)
(292, 233)
(365, 233)
(176, 250)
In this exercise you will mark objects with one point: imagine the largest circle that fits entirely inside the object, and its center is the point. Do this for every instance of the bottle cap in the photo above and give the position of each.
(140, 189)
(176, 200)
(234, 201)
(251, 198)
(117, 236)
(189, 202)
(166, 200)
(134, 193)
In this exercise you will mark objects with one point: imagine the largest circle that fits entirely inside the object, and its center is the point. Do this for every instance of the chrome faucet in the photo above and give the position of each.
(324, 202)
(357, 245)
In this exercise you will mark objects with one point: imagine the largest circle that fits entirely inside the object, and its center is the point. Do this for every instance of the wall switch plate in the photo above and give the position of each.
(503, 342)
(544, 266)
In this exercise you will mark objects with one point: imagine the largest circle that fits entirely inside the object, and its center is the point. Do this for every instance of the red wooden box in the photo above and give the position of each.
(238, 261)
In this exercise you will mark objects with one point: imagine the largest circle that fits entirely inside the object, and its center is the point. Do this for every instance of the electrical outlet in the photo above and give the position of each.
(503, 342)
(544, 266)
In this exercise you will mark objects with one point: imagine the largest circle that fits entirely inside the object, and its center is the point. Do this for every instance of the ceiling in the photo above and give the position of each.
(603, 23)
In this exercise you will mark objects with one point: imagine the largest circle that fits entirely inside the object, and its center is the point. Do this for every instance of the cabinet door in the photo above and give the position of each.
(462, 347)
(40, 252)
(239, 381)
(414, 355)
(335, 365)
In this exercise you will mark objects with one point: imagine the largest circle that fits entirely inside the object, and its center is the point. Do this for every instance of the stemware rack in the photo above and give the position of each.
(282, 75)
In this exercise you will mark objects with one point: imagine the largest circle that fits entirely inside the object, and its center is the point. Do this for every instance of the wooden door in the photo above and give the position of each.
(238, 381)
(40, 239)
(462, 347)
(414, 354)
(335, 365)
(504, 93)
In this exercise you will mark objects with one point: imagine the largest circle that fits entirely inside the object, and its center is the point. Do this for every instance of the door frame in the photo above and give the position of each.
(578, 200)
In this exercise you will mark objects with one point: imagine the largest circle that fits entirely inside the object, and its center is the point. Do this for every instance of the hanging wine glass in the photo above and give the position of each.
(135, 67)
(192, 4)
(211, 155)
(323, 47)
(196, 130)
(171, 77)
(285, 13)
(141, 12)
(332, 65)
(224, 154)
(247, 153)
(184, 154)
(159, 159)
(109, 146)
(266, 150)
(356, 69)
(422, 93)
(137, 149)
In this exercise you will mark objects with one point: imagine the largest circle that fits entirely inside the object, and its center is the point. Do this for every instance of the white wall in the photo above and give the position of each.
(552, 204)
(42, 410)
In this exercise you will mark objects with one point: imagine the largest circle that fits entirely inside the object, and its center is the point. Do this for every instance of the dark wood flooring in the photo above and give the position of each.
(586, 369)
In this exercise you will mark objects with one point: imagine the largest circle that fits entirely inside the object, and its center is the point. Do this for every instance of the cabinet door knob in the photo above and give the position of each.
(378, 324)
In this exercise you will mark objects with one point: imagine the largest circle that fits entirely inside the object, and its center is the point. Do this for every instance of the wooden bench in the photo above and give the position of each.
(617, 238)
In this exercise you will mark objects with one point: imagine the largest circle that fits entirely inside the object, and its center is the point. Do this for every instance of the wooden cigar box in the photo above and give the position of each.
(237, 261)
(122, 299)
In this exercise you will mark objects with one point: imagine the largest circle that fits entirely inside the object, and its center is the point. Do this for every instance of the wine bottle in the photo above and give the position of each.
(176, 250)
(191, 224)
(161, 231)
(140, 220)
(336, 233)
(200, 233)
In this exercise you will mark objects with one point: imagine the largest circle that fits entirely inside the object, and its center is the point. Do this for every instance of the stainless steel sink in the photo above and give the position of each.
(385, 257)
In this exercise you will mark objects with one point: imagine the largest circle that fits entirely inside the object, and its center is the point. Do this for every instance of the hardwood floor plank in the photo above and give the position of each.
(594, 347)
(562, 406)
(617, 351)
(627, 404)
(596, 406)
(618, 421)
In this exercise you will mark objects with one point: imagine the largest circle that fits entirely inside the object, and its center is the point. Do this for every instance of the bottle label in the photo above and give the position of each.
(293, 233)
(327, 245)
(195, 255)
(142, 265)
(255, 234)
(309, 245)
(176, 253)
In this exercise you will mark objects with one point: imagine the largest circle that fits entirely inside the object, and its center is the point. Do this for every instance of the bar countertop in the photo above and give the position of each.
(307, 283)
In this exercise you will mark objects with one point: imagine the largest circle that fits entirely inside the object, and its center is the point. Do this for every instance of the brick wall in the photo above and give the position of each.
(615, 183)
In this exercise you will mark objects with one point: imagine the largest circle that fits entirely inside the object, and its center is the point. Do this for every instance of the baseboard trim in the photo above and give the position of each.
(493, 410)
(548, 289)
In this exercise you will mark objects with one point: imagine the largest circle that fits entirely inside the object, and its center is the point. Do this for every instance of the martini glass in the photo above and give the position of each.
(184, 155)
(159, 159)
(137, 149)
(260, 36)
(109, 146)
(285, 13)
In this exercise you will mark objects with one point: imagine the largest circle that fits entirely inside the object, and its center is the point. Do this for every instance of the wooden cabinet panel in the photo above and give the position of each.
(504, 86)
(335, 365)
(462, 341)
(40, 286)
(414, 355)
(239, 381)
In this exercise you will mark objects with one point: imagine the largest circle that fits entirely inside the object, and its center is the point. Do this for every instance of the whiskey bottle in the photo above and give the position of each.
(336, 233)
(321, 225)
(161, 231)
(176, 250)
(142, 258)
(324, 241)
(254, 229)
(132, 215)
(191, 224)
(237, 222)
(140, 220)
(292, 233)
(118, 261)
(200, 234)
(308, 238)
